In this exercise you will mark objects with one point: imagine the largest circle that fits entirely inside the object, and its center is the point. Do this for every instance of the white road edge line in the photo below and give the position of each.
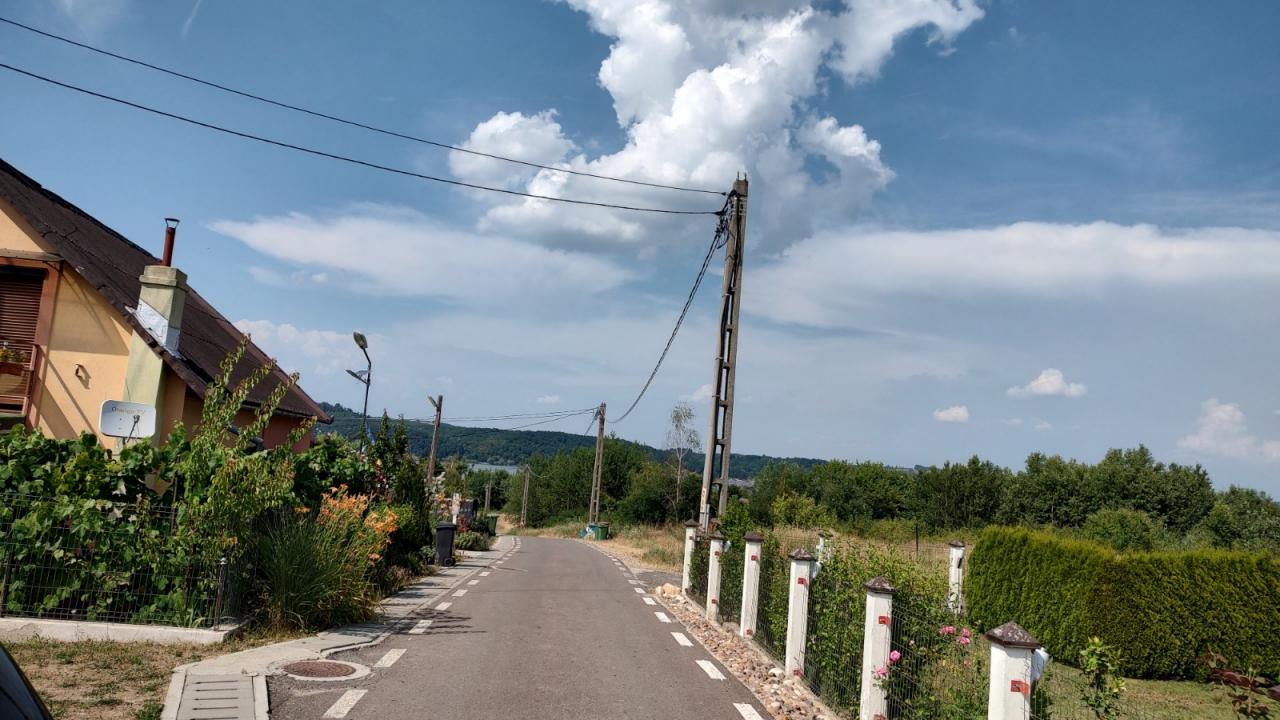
(710, 669)
(443, 606)
(662, 616)
(389, 659)
(681, 640)
(344, 704)
(420, 628)
(747, 712)
(649, 601)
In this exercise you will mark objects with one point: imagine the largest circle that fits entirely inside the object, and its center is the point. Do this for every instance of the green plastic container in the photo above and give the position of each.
(602, 531)
(491, 521)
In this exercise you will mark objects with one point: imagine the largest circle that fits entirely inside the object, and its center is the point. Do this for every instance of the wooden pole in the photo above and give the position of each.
(438, 402)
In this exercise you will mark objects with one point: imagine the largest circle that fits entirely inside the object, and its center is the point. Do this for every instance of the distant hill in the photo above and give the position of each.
(514, 447)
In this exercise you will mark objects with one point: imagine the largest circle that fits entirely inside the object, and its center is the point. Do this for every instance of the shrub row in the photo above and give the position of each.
(1164, 611)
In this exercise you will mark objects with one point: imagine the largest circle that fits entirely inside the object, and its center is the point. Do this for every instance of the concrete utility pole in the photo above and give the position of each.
(593, 515)
(438, 402)
(721, 417)
(524, 500)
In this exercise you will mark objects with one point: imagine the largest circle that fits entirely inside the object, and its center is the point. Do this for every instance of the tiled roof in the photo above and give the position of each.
(113, 264)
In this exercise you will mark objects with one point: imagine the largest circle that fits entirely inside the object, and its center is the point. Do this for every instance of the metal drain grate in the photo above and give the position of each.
(319, 669)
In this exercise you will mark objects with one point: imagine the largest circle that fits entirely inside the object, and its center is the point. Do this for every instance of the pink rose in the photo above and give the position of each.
(965, 641)
(895, 656)
(882, 672)
(965, 632)
(947, 630)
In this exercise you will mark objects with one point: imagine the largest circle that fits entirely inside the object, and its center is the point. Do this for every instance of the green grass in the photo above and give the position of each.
(1142, 699)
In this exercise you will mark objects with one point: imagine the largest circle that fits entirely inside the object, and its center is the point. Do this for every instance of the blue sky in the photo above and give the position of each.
(987, 228)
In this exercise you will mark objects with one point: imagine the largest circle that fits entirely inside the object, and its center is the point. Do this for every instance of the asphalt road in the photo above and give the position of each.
(556, 630)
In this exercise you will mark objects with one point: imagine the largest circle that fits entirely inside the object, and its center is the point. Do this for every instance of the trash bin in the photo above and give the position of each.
(444, 544)
(492, 522)
(602, 531)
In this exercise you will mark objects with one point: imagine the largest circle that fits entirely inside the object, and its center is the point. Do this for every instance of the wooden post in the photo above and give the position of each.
(877, 633)
(720, 423)
(798, 610)
(750, 583)
(713, 577)
(438, 402)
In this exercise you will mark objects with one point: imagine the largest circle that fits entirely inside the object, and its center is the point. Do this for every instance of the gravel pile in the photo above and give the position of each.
(786, 698)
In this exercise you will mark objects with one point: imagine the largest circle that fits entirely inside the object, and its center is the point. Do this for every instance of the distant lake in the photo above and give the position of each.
(509, 469)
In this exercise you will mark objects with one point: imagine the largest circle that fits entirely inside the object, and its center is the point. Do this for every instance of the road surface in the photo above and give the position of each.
(554, 629)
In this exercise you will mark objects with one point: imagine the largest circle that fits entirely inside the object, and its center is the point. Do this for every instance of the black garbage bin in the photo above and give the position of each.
(444, 544)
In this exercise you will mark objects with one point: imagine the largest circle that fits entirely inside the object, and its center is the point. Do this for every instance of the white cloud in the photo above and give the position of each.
(536, 138)
(702, 394)
(393, 251)
(1050, 381)
(324, 351)
(1042, 425)
(707, 89)
(548, 400)
(93, 17)
(953, 414)
(1012, 422)
(830, 279)
(298, 278)
(1223, 430)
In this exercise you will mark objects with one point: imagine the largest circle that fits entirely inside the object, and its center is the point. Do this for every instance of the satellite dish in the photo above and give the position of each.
(127, 419)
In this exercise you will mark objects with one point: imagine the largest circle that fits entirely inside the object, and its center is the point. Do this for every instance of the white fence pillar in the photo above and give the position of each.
(750, 583)
(690, 539)
(877, 636)
(798, 610)
(1012, 651)
(713, 576)
(955, 578)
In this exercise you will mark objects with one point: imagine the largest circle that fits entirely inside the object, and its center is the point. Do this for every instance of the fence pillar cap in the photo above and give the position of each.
(880, 585)
(753, 536)
(801, 555)
(691, 523)
(717, 535)
(1011, 635)
(957, 543)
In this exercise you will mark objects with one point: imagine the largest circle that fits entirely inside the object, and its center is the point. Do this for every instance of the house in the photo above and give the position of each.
(87, 316)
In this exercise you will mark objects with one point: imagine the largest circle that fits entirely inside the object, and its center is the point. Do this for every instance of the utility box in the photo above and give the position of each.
(444, 544)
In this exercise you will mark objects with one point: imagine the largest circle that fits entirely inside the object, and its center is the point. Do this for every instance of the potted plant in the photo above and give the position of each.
(12, 362)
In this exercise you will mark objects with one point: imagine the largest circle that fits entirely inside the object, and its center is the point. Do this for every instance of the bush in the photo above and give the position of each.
(472, 541)
(800, 511)
(1163, 611)
(1125, 530)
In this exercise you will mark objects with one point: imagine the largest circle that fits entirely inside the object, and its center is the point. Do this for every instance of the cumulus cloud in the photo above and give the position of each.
(826, 279)
(707, 89)
(953, 414)
(1223, 430)
(324, 351)
(1042, 425)
(536, 139)
(394, 251)
(1050, 381)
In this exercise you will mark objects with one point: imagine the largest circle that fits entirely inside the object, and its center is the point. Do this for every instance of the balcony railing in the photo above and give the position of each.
(17, 367)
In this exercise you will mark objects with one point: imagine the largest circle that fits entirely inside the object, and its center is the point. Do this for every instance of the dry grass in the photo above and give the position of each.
(646, 547)
(99, 680)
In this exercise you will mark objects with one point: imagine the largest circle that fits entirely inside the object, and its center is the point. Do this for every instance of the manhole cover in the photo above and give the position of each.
(319, 669)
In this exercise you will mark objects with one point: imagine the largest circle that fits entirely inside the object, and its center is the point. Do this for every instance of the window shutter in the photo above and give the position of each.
(20, 306)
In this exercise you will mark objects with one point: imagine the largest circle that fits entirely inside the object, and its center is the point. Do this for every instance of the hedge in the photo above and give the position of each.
(1164, 610)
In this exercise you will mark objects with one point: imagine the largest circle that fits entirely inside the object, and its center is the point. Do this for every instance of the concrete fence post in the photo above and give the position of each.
(955, 578)
(750, 583)
(690, 539)
(798, 610)
(713, 576)
(877, 637)
(1012, 653)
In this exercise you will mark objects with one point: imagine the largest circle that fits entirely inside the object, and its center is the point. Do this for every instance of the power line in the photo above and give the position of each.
(344, 121)
(717, 242)
(517, 416)
(344, 158)
(544, 422)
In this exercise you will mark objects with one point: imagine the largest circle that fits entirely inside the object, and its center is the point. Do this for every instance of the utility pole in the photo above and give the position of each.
(438, 402)
(488, 488)
(524, 500)
(593, 514)
(721, 417)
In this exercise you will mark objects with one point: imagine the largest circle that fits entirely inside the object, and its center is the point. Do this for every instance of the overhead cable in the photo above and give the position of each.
(345, 121)
(344, 158)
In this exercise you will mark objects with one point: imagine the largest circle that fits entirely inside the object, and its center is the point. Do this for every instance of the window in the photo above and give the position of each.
(20, 291)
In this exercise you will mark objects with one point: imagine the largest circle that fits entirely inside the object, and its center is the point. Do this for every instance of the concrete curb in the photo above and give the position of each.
(352, 637)
(18, 629)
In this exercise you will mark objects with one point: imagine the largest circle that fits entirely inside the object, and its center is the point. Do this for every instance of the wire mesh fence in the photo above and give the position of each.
(937, 665)
(833, 646)
(771, 610)
(731, 568)
(101, 560)
(698, 566)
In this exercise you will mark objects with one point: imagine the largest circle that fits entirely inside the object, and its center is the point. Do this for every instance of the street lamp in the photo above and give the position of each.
(364, 377)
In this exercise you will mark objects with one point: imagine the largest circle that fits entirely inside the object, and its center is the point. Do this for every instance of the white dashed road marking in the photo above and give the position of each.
(662, 616)
(420, 628)
(681, 640)
(649, 601)
(344, 704)
(747, 712)
(473, 582)
(710, 669)
(389, 659)
(639, 590)
(443, 606)
(460, 593)
(484, 574)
